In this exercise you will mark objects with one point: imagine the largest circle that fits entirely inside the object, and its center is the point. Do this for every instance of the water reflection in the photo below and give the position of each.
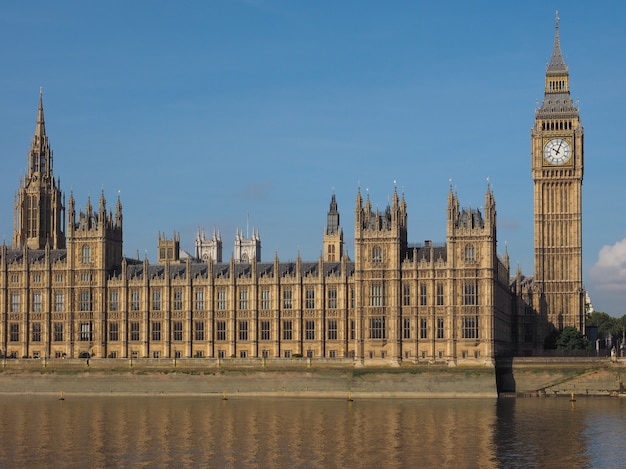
(191, 432)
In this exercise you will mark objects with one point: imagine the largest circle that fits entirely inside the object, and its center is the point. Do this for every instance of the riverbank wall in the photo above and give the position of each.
(235, 378)
(228, 379)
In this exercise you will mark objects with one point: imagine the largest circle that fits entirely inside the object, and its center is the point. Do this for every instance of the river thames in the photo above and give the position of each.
(81, 432)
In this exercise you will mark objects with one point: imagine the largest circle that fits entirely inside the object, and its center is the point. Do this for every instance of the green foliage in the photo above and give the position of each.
(571, 338)
(607, 325)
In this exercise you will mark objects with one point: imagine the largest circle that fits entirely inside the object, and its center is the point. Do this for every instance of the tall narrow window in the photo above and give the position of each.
(85, 300)
(265, 330)
(36, 332)
(220, 327)
(406, 294)
(85, 331)
(376, 295)
(14, 332)
(156, 330)
(310, 330)
(377, 255)
(243, 298)
(58, 332)
(178, 299)
(332, 329)
(440, 294)
(423, 294)
(134, 300)
(310, 298)
(440, 328)
(86, 255)
(198, 329)
(156, 299)
(287, 330)
(199, 299)
(470, 293)
(406, 328)
(114, 331)
(114, 300)
(15, 302)
(332, 298)
(287, 299)
(59, 301)
(423, 328)
(243, 330)
(221, 299)
(470, 255)
(134, 331)
(177, 327)
(265, 299)
(470, 327)
(377, 328)
(37, 302)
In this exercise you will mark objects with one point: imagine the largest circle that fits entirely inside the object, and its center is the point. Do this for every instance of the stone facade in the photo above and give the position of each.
(71, 293)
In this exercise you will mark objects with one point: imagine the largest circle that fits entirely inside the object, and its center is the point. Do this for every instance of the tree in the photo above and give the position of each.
(608, 326)
(571, 338)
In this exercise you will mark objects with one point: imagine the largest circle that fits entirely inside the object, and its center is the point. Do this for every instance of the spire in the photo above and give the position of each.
(332, 219)
(557, 64)
(40, 128)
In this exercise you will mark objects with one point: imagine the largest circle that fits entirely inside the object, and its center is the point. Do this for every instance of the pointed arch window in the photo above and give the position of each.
(470, 253)
(377, 255)
(86, 255)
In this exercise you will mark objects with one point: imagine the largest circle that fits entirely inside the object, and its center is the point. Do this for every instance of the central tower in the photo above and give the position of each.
(557, 170)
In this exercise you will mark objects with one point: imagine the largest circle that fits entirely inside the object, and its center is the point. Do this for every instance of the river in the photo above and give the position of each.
(99, 432)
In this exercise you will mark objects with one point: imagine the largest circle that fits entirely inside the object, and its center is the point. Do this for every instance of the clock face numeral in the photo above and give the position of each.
(557, 151)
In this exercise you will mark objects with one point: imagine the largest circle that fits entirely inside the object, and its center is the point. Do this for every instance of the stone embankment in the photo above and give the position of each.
(561, 376)
(232, 379)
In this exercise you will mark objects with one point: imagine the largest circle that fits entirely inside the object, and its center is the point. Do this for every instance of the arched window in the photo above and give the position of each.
(86, 255)
(470, 254)
(377, 254)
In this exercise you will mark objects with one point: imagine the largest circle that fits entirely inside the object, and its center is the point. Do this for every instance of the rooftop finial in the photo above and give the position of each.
(556, 19)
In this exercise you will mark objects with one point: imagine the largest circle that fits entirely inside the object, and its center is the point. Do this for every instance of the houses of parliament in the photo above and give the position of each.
(66, 290)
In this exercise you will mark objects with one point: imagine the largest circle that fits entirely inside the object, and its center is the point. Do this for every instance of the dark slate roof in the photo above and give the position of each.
(35, 255)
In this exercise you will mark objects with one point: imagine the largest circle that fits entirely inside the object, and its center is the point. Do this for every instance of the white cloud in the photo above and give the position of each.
(609, 272)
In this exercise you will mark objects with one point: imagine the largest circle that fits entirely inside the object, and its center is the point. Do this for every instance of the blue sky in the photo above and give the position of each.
(210, 114)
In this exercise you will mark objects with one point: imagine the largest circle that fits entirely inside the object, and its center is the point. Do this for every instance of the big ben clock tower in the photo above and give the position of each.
(557, 170)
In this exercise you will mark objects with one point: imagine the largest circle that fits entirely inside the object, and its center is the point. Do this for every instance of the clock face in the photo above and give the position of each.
(557, 151)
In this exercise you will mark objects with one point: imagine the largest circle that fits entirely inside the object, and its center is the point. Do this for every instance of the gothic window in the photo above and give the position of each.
(198, 329)
(440, 294)
(310, 298)
(406, 328)
(85, 332)
(287, 330)
(156, 300)
(134, 300)
(37, 300)
(36, 332)
(114, 300)
(440, 328)
(199, 300)
(86, 255)
(309, 330)
(243, 330)
(14, 332)
(265, 330)
(114, 331)
(377, 255)
(470, 255)
(470, 293)
(156, 330)
(15, 302)
(58, 331)
(243, 298)
(470, 327)
(134, 331)
(287, 299)
(377, 328)
(177, 327)
(221, 330)
(423, 296)
(221, 299)
(332, 298)
(85, 301)
(376, 295)
(178, 299)
(265, 299)
(423, 328)
(352, 329)
(406, 295)
(332, 329)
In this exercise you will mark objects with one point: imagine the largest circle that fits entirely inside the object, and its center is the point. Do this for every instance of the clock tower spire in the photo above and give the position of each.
(557, 171)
